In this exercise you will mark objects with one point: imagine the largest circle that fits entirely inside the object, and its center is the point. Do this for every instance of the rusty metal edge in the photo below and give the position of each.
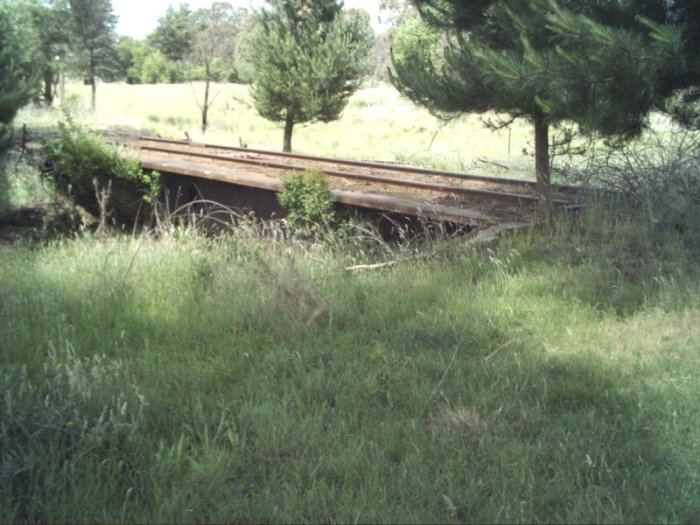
(500, 195)
(370, 164)
(436, 212)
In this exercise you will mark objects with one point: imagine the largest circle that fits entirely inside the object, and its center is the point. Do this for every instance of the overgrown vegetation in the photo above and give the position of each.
(85, 166)
(550, 377)
(657, 172)
(21, 184)
(263, 376)
(309, 203)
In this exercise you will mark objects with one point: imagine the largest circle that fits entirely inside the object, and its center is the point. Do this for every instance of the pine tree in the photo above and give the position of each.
(94, 38)
(310, 56)
(17, 72)
(593, 62)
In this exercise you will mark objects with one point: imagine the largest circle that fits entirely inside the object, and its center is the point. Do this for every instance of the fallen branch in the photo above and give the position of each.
(367, 267)
(493, 162)
(483, 236)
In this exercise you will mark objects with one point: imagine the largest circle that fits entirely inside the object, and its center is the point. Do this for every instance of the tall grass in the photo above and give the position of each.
(21, 184)
(549, 377)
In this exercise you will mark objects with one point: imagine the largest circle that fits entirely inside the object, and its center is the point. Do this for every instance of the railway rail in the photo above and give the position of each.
(439, 195)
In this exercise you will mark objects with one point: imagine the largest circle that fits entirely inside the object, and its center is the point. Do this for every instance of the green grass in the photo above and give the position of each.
(377, 124)
(549, 377)
(21, 184)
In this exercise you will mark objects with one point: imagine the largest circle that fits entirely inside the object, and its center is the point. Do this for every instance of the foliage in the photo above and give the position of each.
(174, 33)
(141, 63)
(309, 202)
(51, 40)
(244, 49)
(157, 69)
(395, 12)
(309, 58)
(17, 70)
(203, 42)
(590, 63)
(392, 15)
(21, 184)
(94, 41)
(684, 108)
(79, 156)
(681, 91)
(416, 45)
(130, 57)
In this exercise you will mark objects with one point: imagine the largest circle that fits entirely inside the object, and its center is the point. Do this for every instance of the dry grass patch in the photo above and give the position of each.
(462, 420)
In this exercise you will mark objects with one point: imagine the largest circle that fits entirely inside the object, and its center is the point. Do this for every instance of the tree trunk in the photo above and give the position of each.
(205, 105)
(544, 184)
(93, 81)
(288, 128)
(61, 86)
(48, 87)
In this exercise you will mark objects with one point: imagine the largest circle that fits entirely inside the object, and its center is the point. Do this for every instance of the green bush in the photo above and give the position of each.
(308, 201)
(81, 158)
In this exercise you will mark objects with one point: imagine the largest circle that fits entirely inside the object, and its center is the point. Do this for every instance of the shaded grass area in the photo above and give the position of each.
(550, 377)
(21, 185)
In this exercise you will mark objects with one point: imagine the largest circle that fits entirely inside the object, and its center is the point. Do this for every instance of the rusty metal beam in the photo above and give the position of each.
(358, 163)
(437, 212)
(443, 188)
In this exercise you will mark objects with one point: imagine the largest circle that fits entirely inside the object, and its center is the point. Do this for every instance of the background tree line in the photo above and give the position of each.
(326, 52)
(602, 65)
(76, 36)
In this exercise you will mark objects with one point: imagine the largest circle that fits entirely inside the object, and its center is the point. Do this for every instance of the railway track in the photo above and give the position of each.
(440, 195)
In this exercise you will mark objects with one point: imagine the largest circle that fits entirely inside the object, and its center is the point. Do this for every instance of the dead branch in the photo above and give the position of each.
(493, 162)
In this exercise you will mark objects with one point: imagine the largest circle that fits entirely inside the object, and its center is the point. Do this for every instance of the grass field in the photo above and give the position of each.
(548, 378)
(377, 124)
(173, 377)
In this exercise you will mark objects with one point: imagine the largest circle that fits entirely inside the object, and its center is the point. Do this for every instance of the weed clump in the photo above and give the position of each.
(83, 399)
(309, 201)
(74, 414)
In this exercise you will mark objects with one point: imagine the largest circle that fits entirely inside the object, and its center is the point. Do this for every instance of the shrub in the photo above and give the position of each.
(82, 160)
(308, 201)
